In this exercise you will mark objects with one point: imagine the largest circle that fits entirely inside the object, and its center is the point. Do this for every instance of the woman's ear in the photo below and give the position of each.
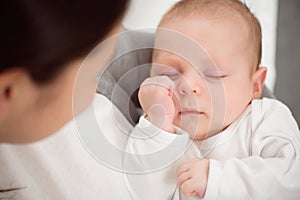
(5, 92)
(259, 78)
(4, 99)
(8, 81)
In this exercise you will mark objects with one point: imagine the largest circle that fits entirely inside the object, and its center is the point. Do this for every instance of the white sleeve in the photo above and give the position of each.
(272, 170)
(152, 159)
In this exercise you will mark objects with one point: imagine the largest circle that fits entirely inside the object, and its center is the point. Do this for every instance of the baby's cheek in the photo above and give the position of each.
(232, 113)
(177, 120)
(176, 102)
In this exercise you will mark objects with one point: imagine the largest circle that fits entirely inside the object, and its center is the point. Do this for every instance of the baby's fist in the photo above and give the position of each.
(155, 96)
(193, 176)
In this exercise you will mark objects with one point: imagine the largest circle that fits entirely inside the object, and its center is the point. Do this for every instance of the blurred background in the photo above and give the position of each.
(280, 20)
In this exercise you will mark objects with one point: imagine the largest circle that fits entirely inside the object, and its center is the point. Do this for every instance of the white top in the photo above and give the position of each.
(60, 167)
(256, 157)
(258, 153)
(156, 156)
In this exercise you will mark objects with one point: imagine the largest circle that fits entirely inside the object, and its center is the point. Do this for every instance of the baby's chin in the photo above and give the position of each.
(198, 138)
(198, 132)
(194, 132)
(200, 135)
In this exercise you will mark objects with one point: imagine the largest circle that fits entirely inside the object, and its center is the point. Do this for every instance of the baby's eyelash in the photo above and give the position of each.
(215, 77)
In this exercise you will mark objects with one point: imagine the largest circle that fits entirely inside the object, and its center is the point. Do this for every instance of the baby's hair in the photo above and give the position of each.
(224, 9)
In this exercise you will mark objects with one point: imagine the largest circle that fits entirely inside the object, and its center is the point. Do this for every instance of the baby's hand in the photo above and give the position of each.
(192, 177)
(155, 96)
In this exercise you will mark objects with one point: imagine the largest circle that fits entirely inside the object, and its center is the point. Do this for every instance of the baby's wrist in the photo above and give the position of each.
(162, 123)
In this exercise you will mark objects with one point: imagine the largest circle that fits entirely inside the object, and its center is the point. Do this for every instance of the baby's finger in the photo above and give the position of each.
(184, 167)
(183, 177)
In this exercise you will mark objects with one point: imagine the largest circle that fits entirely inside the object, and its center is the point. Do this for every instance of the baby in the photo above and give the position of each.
(250, 145)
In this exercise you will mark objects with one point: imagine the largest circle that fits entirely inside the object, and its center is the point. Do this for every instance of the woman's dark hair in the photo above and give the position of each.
(41, 36)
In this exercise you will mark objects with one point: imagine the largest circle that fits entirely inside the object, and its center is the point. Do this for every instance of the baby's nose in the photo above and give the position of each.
(191, 85)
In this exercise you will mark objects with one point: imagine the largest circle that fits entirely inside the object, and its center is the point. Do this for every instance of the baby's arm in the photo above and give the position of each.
(272, 170)
(152, 159)
(155, 96)
(154, 153)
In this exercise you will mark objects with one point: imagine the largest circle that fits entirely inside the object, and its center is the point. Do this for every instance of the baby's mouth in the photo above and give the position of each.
(189, 111)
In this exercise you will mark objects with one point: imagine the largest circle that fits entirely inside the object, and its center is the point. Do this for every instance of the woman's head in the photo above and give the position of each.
(42, 46)
(42, 36)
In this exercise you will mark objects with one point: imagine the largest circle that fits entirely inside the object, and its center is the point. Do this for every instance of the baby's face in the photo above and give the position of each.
(215, 88)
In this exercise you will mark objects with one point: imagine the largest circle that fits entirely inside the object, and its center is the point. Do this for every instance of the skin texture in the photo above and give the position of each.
(30, 112)
(193, 176)
(161, 109)
(201, 93)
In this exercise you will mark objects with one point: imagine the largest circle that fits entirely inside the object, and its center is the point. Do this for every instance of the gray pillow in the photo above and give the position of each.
(131, 65)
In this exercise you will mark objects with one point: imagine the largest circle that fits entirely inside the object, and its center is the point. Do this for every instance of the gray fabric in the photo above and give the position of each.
(268, 93)
(288, 56)
(131, 65)
(121, 80)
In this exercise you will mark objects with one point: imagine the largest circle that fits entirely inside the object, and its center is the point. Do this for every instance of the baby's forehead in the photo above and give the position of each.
(213, 22)
(227, 35)
(200, 59)
(228, 12)
(164, 59)
(222, 10)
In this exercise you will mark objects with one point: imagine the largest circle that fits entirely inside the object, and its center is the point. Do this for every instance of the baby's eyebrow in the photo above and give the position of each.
(216, 68)
(221, 67)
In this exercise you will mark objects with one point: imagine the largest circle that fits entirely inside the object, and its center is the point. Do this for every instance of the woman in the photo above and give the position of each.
(43, 44)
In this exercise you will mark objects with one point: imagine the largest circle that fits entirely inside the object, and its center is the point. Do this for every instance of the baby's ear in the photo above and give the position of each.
(259, 77)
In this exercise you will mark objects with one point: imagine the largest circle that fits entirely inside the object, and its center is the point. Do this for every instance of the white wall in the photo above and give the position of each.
(266, 11)
(147, 14)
